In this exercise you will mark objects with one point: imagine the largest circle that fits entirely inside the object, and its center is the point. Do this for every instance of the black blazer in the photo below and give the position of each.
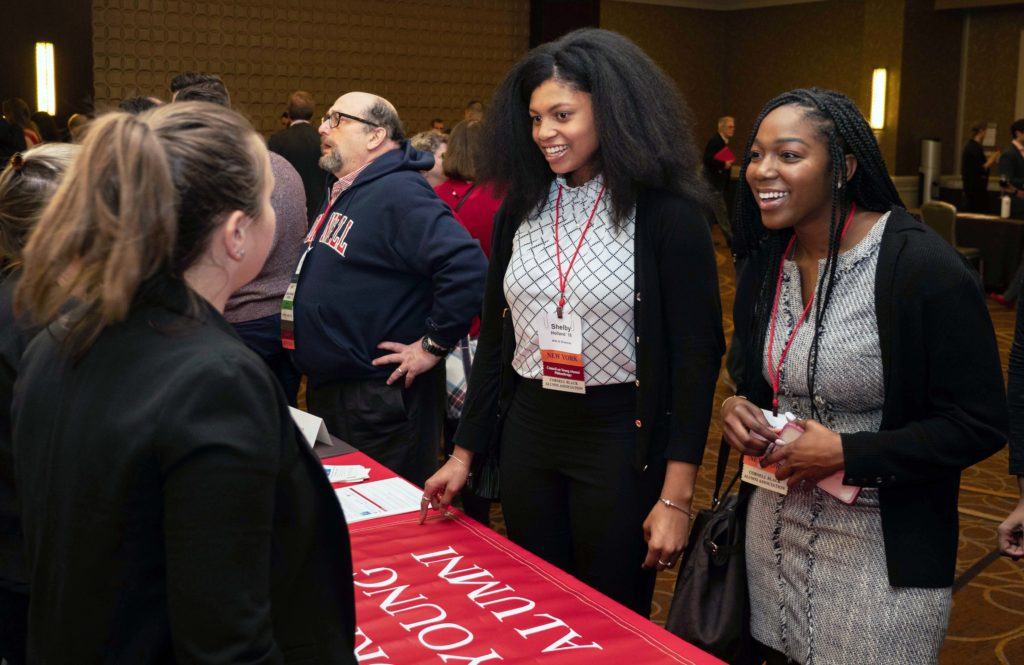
(171, 512)
(944, 408)
(1011, 167)
(300, 145)
(679, 341)
(714, 170)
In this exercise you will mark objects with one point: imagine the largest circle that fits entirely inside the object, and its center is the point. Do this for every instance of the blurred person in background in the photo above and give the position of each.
(299, 143)
(47, 127)
(18, 113)
(974, 167)
(435, 143)
(136, 105)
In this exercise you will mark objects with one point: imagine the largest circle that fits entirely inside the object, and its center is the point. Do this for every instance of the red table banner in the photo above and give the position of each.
(452, 591)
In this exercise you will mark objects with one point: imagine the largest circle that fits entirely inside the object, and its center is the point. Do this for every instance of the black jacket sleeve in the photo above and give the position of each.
(219, 463)
(966, 419)
(1015, 394)
(480, 412)
(692, 312)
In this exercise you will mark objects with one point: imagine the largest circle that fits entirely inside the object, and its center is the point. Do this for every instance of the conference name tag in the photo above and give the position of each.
(561, 351)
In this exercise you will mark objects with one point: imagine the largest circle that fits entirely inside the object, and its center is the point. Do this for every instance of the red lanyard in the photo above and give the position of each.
(564, 278)
(775, 369)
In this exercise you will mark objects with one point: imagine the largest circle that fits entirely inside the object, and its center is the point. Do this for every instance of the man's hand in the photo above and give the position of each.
(412, 360)
(816, 454)
(1011, 531)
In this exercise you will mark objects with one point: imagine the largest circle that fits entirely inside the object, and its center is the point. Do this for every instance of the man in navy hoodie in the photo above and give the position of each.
(388, 285)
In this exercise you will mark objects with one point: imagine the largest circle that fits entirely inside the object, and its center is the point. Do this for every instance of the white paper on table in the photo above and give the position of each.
(312, 427)
(346, 473)
(380, 498)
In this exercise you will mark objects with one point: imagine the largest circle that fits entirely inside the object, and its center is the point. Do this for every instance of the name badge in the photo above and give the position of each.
(561, 351)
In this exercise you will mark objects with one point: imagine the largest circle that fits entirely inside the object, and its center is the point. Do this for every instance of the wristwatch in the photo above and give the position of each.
(433, 348)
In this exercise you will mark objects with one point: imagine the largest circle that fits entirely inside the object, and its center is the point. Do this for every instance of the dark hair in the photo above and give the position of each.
(47, 126)
(300, 105)
(186, 79)
(842, 126)
(136, 105)
(1017, 126)
(440, 120)
(979, 126)
(385, 115)
(644, 127)
(463, 143)
(212, 91)
(18, 112)
(147, 193)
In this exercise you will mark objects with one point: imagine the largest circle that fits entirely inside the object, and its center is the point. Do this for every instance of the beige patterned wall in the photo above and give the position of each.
(429, 57)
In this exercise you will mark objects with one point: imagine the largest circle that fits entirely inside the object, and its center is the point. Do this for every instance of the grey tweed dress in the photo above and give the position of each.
(819, 589)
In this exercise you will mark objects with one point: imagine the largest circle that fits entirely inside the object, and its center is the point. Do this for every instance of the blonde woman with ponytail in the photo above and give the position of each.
(170, 512)
(26, 186)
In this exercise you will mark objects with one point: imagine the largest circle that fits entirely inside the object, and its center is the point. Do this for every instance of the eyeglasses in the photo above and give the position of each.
(334, 119)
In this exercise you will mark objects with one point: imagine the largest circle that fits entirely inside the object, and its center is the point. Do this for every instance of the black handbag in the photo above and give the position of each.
(711, 608)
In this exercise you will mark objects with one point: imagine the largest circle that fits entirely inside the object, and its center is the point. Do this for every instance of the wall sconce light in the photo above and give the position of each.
(878, 81)
(46, 87)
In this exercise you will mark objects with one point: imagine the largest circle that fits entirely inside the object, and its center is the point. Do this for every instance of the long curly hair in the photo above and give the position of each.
(644, 128)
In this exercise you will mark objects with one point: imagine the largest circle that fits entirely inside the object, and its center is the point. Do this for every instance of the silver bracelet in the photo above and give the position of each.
(673, 504)
(724, 401)
(452, 456)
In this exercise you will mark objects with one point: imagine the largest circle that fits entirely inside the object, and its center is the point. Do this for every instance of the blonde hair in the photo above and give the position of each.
(26, 186)
(146, 196)
(428, 141)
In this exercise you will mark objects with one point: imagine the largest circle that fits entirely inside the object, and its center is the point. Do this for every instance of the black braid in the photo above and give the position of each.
(842, 124)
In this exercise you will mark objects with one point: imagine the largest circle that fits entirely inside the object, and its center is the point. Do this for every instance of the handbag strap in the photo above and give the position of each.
(720, 469)
(465, 197)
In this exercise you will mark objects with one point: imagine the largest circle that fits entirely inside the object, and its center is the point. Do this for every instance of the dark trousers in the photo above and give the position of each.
(570, 491)
(13, 626)
(398, 427)
(263, 336)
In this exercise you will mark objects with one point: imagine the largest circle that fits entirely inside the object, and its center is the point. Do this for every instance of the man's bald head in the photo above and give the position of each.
(374, 108)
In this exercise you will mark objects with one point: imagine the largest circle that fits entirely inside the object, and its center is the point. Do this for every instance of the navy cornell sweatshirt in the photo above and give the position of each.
(389, 263)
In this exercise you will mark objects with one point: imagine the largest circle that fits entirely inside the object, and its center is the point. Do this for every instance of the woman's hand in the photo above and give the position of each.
(744, 426)
(816, 454)
(1011, 532)
(666, 531)
(441, 488)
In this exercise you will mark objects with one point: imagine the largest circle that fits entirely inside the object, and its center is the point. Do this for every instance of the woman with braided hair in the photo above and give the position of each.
(874, 333)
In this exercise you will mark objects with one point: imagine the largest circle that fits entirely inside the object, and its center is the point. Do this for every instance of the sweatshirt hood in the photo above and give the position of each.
(403, 158)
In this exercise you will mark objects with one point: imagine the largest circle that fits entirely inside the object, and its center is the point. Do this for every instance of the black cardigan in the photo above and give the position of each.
(944, 408)
(679, 341)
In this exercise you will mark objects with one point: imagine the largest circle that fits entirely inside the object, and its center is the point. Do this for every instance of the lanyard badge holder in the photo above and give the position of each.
(560, 333)
(288, 302)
